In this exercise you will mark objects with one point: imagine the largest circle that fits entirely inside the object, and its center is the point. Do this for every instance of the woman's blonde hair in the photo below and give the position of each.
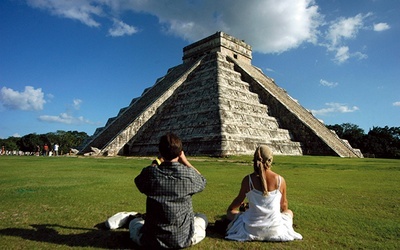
(262, 162)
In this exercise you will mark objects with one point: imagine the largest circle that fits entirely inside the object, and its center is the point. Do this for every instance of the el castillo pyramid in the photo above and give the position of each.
(220, 105)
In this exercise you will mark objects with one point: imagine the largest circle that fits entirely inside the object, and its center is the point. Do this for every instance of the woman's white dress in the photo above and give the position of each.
(262, 221)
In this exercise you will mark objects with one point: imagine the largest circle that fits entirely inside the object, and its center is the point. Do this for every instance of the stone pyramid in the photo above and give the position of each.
(220, 105)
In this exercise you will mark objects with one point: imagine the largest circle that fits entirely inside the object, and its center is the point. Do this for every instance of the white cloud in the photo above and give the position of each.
(68, 116)
(88, 12)
(397, 104)
(335, 108)
(77, 103)
(342, 54)
(16, 135)
(359, 55)
(344, 28)
(120, 28)
(328, 84)
(339, 32)
(29, 99)
(381, 26)
(269, 26)
(80, 10)
(269, 70)
(64, 118)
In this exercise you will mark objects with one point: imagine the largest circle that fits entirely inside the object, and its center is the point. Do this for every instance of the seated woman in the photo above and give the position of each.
(267, 217)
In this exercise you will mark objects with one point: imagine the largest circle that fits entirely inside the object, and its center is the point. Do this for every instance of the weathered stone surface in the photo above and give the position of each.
(74, 151)
(219, 104)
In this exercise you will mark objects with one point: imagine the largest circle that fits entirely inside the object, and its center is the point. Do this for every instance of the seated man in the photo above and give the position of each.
(170, 221)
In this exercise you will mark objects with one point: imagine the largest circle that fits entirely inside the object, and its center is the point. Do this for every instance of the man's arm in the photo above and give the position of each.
(198, 179)
(182, 159)
(142, 181)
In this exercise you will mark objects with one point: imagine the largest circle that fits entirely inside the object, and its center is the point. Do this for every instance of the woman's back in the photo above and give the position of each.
(263, 209)
(262, 220)
(268, 217)
(272, 181)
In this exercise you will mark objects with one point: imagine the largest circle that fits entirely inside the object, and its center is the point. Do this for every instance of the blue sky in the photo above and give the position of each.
(72, 64)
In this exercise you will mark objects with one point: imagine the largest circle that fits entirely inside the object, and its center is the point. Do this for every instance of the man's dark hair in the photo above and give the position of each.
(170, 146)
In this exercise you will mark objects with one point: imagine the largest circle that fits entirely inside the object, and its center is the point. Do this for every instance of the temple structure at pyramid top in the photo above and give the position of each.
(220, 105)
(221, 43)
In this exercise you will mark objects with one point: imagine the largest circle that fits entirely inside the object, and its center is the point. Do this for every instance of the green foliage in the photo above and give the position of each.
(30, 142)
(385, 141)
(10, 143)
(55, 202)
(379, 142)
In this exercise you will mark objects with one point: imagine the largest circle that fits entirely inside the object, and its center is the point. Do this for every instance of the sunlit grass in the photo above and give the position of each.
(55, 202)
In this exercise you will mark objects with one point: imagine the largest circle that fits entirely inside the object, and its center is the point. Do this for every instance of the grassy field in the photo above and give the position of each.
(62, 202)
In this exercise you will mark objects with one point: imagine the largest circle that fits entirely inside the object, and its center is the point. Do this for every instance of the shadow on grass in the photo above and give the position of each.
(217, 229)
(98, 237)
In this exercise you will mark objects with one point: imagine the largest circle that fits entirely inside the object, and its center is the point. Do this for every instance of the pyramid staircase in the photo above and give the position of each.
(296, 116)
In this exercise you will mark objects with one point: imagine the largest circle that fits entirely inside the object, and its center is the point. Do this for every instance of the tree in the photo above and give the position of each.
(381, 142)
(350, 132)
(384, 142)
(10, 143)
(70, 139)
(29, 143)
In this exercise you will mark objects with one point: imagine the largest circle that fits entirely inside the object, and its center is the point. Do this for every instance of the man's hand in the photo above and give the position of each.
(157, 161)
(182, 159)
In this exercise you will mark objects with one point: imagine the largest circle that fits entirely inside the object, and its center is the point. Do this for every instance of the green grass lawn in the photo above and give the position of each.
(61, 202)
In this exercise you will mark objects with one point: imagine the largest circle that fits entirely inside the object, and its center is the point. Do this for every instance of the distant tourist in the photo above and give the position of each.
(267, 217)
(45, 150)
(56, 149)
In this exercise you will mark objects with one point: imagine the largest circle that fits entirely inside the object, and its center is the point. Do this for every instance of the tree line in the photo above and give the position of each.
(31, 143)
(378, 142)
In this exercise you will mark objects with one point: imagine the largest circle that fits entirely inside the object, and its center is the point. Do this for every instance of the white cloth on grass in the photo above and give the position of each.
(118, 219)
